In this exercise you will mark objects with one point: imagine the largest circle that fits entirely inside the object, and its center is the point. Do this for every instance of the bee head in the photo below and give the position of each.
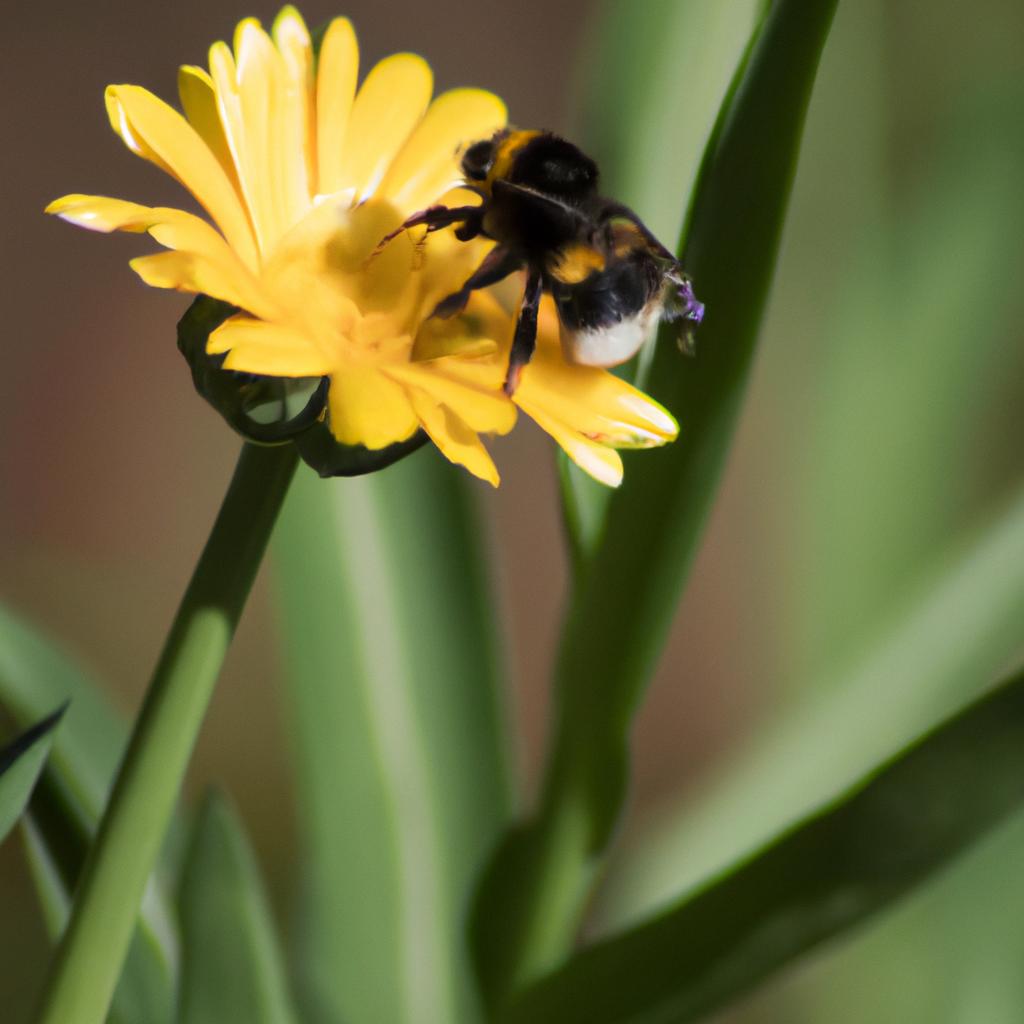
(478, 159)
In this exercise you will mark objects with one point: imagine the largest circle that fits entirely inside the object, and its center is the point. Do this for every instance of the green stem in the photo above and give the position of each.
(107, 899)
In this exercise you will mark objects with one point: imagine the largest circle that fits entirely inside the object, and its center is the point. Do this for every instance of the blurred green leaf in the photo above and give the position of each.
(827, 874)
(232, 966)
(961, 628)
(34, 676)
(948, 954)
(909, 425)
(21, 761)
(625, 597)
(917, 350)
(46, 874)
(388, 640)
(66, 804)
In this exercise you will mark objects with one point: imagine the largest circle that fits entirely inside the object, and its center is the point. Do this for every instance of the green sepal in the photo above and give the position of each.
(275, 410)
(264, 410)
(320, 451)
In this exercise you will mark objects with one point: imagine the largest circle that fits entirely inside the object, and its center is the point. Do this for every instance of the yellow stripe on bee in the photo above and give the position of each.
(576, 263)
(508, 149)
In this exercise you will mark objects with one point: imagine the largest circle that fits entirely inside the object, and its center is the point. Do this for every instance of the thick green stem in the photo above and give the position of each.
(106, 906)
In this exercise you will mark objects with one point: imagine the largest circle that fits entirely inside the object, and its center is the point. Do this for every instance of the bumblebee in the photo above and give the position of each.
(610, 278)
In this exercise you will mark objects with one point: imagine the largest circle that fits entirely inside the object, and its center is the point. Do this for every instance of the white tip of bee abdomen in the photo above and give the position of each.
(612, 345)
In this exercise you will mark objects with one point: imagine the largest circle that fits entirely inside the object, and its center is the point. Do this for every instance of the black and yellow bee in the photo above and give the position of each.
(610, 278)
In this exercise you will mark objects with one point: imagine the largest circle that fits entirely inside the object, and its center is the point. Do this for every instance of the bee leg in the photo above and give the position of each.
(497, 265)
(525, 339)
(472, 226)
(435, 218)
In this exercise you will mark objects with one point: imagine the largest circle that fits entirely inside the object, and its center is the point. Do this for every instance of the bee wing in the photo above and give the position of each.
(531, 195)
(532, 203)
(612, 210)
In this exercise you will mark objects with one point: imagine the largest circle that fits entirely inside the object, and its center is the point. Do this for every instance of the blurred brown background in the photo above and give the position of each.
(113, 468)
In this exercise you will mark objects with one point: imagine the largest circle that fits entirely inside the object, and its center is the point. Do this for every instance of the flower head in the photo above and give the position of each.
(301, 174)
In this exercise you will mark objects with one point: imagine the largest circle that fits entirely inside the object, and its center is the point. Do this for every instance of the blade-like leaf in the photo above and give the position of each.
(400, 758)
(655, 76)
(529, 906)
(655, 522)
(906, 820)
(34, 676)
(66, 804)
(21, 761)
(232, 967)
(653, 86)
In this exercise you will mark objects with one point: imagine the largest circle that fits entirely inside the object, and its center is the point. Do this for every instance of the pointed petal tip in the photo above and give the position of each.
(243, 29)
(289, 20)
(652, 415)
(97, 213)
(59, 206)
(466, 94)
(604, 472)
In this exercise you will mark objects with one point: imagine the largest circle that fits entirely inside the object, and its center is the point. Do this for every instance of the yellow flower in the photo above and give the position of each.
(301, 175)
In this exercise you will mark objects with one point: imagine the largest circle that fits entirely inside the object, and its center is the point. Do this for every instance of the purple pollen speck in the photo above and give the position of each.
(693, 308)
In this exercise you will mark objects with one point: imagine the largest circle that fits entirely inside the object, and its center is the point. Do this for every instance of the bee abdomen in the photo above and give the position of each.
(606, 317)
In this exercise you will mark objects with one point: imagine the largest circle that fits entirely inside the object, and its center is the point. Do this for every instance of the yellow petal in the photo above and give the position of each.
(199, 102)
(484, 329)
(297, 145)
(591, 401)
(387, 108)
(602, 463)
(261, 83)
(256, 346)
(337, 72)
(101, 213)
(248, 88)
(159, 133)
(604, 408)
(472, 392)
(210, 259)
(447, 263)
(184, 272)
(365, 407)
(457, 442)
(428, 164)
